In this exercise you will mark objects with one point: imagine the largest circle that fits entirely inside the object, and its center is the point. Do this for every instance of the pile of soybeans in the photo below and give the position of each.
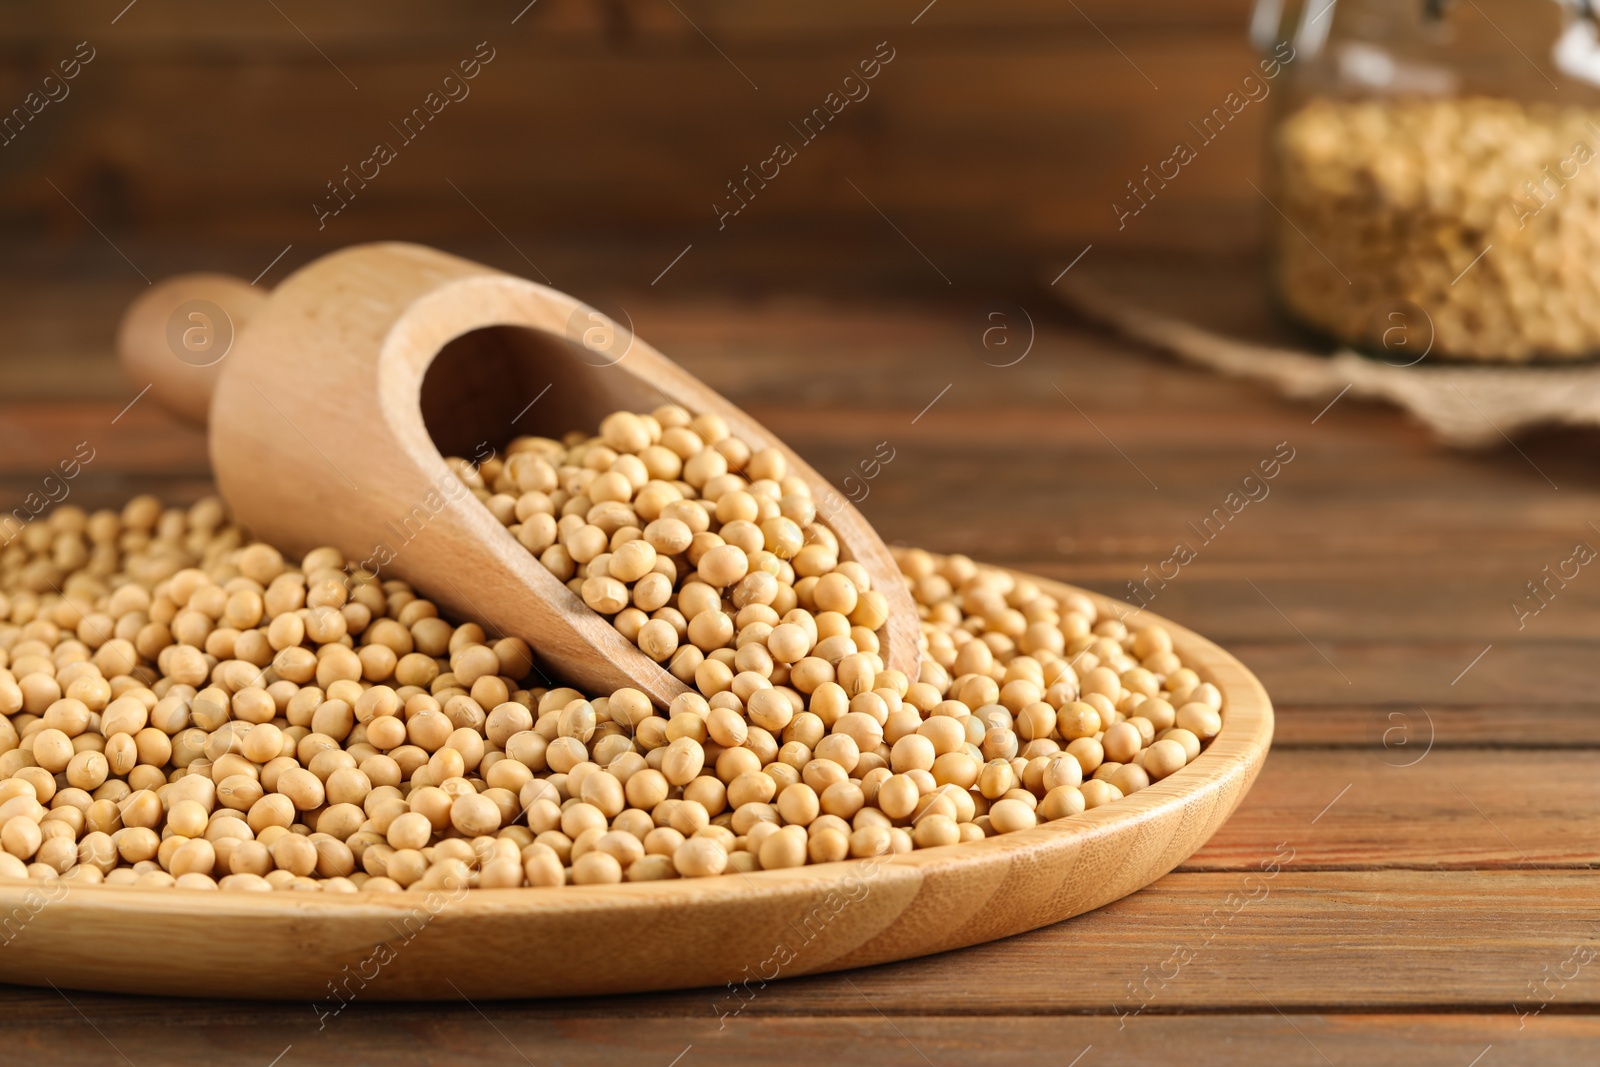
(182, 707)
(1466, 228)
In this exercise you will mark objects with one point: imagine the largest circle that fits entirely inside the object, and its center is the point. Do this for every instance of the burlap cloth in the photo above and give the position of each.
(1464, 406)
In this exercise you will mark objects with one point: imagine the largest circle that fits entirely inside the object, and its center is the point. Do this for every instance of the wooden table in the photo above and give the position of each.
(1433, 799)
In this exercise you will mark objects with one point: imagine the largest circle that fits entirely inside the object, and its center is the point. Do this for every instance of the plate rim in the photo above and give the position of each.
(1237, 751)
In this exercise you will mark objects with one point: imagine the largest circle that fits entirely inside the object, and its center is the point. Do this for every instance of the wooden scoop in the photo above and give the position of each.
(329, 402)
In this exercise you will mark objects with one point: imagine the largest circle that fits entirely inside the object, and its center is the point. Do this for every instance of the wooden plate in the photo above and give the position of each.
(749, 929)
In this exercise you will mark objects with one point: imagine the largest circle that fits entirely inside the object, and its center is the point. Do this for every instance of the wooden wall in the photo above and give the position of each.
(995, 140)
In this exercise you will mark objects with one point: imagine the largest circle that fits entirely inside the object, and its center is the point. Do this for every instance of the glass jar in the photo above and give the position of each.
(1433, 171)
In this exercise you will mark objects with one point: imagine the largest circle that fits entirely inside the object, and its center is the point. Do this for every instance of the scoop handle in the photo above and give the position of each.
(177, 336)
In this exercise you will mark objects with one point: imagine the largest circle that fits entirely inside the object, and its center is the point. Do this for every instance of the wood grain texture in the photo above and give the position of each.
(1406, 805)
(1343, 941)
(1393, 556)
(249, 1034)
(975, 136)
(722, 930)
(1494, 727)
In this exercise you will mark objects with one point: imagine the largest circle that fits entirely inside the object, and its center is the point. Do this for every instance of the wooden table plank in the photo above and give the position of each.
(1467, 809)
(1518, 725)
(1427, 674)
(1367, 940)
(255, 1034)
(1203, 941)
(1417, 909)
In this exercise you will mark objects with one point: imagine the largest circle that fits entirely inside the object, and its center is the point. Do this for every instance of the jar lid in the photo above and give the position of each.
(1306, 23)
